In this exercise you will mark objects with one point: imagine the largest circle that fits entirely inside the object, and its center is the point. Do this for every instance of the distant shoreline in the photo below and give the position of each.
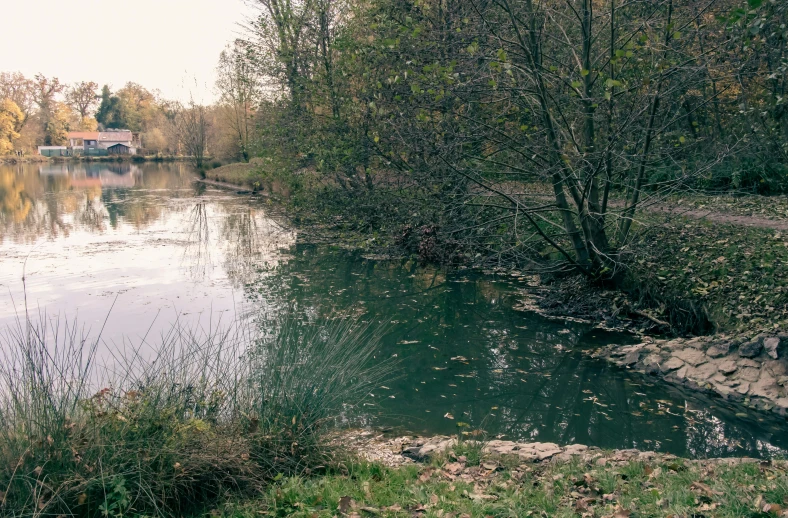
(38, 159)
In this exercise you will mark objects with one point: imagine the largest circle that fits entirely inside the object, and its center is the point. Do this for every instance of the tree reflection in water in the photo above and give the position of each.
(197, 251)
(468, 356)
(466, 353)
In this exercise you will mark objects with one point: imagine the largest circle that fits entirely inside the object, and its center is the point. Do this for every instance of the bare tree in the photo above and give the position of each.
(83, 98)
(193, 126)
(239, 87)
(45, 91)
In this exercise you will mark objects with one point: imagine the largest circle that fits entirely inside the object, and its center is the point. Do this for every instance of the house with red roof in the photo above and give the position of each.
(100, 143)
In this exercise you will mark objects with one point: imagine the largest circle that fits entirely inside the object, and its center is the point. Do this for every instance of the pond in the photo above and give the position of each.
(125, 249)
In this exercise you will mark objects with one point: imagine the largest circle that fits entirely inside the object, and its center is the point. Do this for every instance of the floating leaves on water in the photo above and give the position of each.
(460, 359)
(408, 342)
(448, 416)
(439, 368)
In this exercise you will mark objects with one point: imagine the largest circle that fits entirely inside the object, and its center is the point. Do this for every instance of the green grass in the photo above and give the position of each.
(653, 488)
(237, 174)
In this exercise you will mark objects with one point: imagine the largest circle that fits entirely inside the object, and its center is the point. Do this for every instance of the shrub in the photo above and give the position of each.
(160, 432)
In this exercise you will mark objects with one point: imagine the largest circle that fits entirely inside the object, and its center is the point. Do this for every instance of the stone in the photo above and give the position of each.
(724, 346)
(715, 351)
(727, 367)
(436, 445)
(723, 390)
(746, 362)
(749, 374)
(702, 372)
(501, 447)
(538, 451)
(783, 380)
(576, 449)
(631, 358)
(771, 345)
(751, 349)
(572, 450)
(776, 368)
(526, 455)
(693, 357)
(672, 364)
(765, 387)
(719, 378)
(412, 452)
(681, 374)
(743, 388)
(674, 345)
(782, 403)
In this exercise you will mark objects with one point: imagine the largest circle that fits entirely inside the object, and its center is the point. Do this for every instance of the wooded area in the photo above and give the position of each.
(526, 133)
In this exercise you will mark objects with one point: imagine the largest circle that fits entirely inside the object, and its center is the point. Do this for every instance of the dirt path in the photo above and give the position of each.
(720, 217)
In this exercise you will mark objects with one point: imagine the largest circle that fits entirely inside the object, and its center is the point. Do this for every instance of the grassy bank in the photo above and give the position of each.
(87, 429)
(27, 159)
(455, 487)
(237, 174)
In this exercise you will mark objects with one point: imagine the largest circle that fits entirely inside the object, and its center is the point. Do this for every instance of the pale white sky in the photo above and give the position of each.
(169, 45)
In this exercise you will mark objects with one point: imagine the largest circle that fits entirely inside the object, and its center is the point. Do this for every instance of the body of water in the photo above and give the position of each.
(125, 250)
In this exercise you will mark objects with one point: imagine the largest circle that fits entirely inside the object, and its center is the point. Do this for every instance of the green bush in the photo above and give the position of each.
(161, 433)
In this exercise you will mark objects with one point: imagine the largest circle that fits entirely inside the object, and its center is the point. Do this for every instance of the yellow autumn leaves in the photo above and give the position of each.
(10, 118)
(14, 204)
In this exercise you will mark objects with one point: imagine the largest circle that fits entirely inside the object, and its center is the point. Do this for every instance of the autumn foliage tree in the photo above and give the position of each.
(10, 119)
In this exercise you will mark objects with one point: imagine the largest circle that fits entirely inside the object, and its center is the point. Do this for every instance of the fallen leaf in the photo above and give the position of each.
(426, 475)
(708, 491)
(620, 512)
(481, 496)
(434, 499)
(455, 468)
(344, 504)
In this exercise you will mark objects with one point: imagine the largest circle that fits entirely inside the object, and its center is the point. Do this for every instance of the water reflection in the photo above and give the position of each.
(50, 200)
(91, 232)
(469, 358)
(144, 235)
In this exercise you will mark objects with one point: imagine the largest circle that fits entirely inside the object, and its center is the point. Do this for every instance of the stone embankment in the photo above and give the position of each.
(404, 450)
(751, 370)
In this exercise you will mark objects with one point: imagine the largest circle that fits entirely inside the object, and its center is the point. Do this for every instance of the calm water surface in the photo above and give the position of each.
(127, 249)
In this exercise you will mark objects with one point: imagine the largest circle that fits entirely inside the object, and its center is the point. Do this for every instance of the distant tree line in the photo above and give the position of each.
(42, 110)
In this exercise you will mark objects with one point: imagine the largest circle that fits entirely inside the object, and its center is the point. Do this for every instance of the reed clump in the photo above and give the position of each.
(88, 429)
